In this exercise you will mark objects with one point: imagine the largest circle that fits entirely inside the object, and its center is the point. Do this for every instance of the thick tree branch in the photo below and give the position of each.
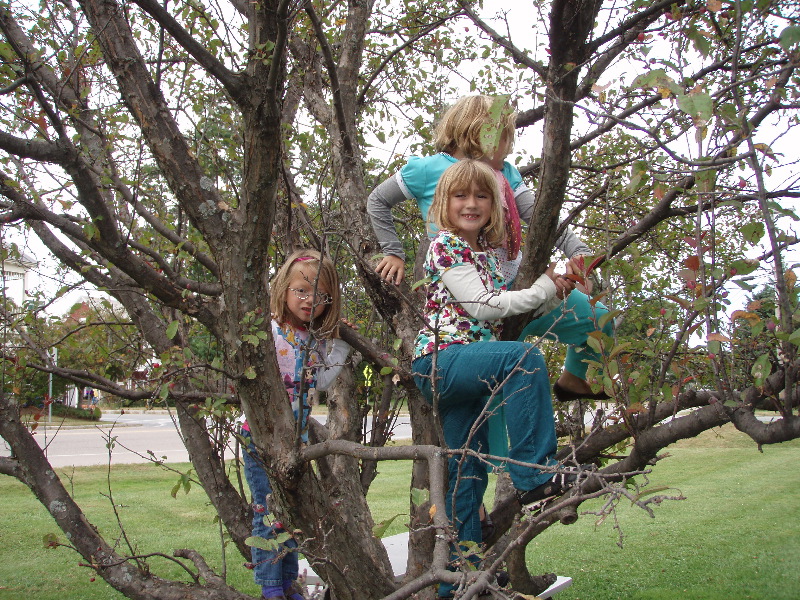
(188, 182)
(230, 81)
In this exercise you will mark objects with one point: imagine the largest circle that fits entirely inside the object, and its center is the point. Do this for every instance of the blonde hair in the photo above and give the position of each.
(326, 276)
(459, 177)
(474, 125)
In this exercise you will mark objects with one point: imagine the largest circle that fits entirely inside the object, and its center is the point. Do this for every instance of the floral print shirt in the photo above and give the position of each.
(442, 312)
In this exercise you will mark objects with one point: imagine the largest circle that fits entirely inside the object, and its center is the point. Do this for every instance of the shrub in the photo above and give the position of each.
(90, 414)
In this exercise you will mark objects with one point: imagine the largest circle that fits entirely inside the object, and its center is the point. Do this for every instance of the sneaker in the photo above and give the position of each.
(558, 485)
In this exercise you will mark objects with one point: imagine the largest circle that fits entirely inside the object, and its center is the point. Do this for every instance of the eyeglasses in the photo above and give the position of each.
(319, 297)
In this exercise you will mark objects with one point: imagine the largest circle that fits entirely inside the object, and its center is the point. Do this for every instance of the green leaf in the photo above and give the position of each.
(423, 281)
(492, 131)
(729, 113)
(386, 370)
(471, 548)
(700, 41)
(649, 492)
(594, 344)
(744, 266)
(701, 303)
(639, 172)
(419, 496)
(666, 391)
(612, 370)
(619, 348)
(172, 329)
(789, 37)
(380, 528)
(250, 339)
(744, 285)
(250, 372)
(752, 232)
(761, 369)
(698, 106)
(658, 78)
(705, 179)
(256, 541)
(601, 322)
(283, 536)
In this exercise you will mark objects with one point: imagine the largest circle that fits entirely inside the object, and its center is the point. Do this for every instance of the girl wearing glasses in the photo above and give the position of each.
(305, 303)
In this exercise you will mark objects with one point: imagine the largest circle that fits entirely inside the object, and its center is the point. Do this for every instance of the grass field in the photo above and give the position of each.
(737, 535)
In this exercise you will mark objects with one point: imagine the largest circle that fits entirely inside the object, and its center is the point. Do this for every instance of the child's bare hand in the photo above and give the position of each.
(349, 324)
(577, 269)
(392, 269)
(563, 285)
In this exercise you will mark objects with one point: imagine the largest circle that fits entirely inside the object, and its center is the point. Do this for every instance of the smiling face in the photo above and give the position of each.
(302, 304)
(468, 211)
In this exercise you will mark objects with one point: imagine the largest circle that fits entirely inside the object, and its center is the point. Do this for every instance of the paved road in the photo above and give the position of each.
(135, 435)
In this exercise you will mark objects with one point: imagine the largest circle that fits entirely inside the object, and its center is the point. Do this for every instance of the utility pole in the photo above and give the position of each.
(50, 388)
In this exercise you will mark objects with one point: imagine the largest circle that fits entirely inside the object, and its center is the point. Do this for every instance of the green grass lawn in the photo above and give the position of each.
(735, 536)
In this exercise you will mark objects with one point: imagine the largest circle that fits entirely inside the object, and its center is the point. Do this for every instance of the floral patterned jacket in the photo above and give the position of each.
(442, 313)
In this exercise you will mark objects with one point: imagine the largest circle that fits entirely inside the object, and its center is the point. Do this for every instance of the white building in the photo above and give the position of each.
(14, 277)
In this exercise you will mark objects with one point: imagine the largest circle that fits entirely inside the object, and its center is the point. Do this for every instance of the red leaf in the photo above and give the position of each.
(597, 261)
(693, 263)
(595, 299)
(684, 304)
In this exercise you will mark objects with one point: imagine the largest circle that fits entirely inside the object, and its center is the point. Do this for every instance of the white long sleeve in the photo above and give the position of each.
(466, 287)
(334, 361)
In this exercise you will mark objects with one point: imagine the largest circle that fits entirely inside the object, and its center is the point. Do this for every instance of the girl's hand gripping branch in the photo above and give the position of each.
(564, 285)
(392, 269)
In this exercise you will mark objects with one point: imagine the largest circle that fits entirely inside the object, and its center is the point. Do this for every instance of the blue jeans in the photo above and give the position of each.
(572, 321)
(465, 372)
(269, 570)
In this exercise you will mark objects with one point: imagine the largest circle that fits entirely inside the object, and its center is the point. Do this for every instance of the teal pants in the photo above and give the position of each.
(570, 323)
(466, 374)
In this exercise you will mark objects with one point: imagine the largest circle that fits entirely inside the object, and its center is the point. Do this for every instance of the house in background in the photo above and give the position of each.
(15, 277)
